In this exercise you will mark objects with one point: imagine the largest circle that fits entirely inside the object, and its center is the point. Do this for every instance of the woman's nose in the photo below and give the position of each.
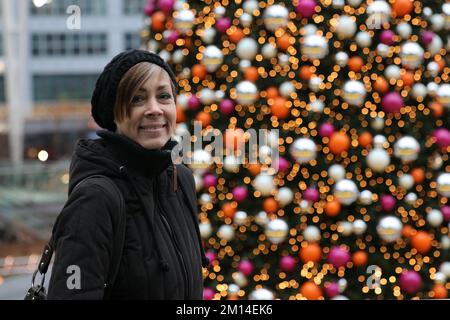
(153, 108)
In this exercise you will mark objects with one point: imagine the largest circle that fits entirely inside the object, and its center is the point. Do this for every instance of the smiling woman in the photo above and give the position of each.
(158, 254)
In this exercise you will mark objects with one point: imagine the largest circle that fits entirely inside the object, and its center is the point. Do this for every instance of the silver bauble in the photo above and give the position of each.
(303, 150)
(346, 191)
(390, 229)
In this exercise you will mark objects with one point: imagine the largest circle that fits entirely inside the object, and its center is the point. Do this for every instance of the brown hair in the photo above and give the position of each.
(131, 82)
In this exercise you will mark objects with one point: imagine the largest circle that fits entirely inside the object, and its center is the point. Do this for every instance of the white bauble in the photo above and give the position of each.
(439, 277)
(205, 229)
(264, 183)
(404, 29)
(183, 20)
(244, 64)
(311, 234)
(240, 217)
(309, 29)
(314, 47)
(433, 68)
(407, 148)
(443, 95)
(200, 161)
(303, 150)
(153, 46)
(182, 100)
(284, 196)
(411, 198)
(250, 6)
(436, 45)
(379, 141)
(265, 154)
(435, 218)
(269, 51)
(365, 197)
(359, 227)
(377, 123)
(261, 294)
(205, 198)
(286, 89)
(220, 95)
(317, 105)
(219, 11)
(419, 90)
(354, 3)
(354, 92)
(283, 59)
(390, 229)
(437, 22)
(378, 13)
(345, 27)
(165, 55)
(346, 191)
(212, 58)
(341, 58)
(411, 55)
(345, 228)
(378, 159)
(233, 289)
(363, 39)
(383, 50)
(275, 16)
(246, 20)
(445, 242)
(276, 231)
(436, 162)
(339, 297)
(432, 89)
(226, 232)
(445, 268)
(177, 56)
(262, 219)
(315, 83)
(338, 4)
(336, 172)
(443, 184)
(247, 48)
(342, 283)
(240, 279)
(427, 12)
(392, 72)
(208, 35)
(406, 181)
(231, 163)
(207, 96)
(246, 93)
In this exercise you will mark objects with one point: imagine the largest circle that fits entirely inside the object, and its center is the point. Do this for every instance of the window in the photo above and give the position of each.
(59, 7)
(2, 89)
(132, 41)
(68, 44)
(47, 88)
(133, 7)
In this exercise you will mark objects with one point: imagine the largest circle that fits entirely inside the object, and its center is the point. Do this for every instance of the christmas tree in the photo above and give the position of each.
(358, 91)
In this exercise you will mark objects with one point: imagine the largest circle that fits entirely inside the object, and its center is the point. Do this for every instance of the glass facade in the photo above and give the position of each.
(59, 7)
(52, 88)
(68, 44)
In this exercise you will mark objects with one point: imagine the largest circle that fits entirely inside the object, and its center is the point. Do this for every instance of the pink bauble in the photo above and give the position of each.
(392, 102)
(306, 8)
(223, 24)
(427, 37)
(193, 102)
(410, 281)
(446, 213)
(387, 37)
(311, 194)
(226, 106)
(387, 202)
(246, 267)
(332, 289)
(208, 294)
(338, 257)
(326, 130)
(211, 256)
(149, 9)
(442, 137)
(166, 6)
(287, 263)
(283, 164)
(209, 180)
(240, 193)
(173, 37)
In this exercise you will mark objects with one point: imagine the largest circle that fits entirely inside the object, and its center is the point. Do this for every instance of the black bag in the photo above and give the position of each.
(38, 292)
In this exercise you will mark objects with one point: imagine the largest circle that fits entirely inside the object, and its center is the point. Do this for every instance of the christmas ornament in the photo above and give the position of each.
(390, 228)
(276, 231)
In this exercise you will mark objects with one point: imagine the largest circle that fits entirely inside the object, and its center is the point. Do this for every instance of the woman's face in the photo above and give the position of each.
(152, 117)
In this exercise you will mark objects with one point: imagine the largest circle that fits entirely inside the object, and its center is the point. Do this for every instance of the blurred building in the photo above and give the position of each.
(62, 66)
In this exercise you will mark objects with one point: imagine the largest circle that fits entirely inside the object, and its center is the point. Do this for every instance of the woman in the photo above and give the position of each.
(162, 256)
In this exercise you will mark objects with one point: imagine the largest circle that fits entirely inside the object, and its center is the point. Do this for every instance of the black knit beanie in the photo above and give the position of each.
(104, 96)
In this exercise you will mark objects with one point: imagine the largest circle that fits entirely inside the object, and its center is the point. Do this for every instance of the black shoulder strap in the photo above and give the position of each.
(119, 234)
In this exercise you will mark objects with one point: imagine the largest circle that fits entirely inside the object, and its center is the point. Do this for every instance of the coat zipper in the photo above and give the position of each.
(177, 248)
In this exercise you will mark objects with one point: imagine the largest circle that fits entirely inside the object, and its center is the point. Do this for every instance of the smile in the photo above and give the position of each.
(153, 127)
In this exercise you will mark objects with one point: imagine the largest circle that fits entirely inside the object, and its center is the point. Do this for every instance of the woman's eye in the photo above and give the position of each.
(165, 96)
(137, 99)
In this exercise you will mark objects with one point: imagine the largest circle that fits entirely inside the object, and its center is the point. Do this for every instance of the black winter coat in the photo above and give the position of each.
(163, 253)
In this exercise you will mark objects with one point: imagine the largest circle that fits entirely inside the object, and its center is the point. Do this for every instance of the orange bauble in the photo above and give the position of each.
(365, 139)
(235, 34)
(408, 78)
(381, 85)
(359, 258)
(306, 73)
(251, 74)
(339, 142)
(418, 175)
(272, 92)
(158, 19)
(421, 241)
(199, 71)
(284, 41)
(437, 108)
(332, 208)
(402, 7)
(181, 117)
(229, 210)
(311, 252)
(233, 138)
(254, 169)
(408, 231)
(440, 291)
(204, 118)
(355, 63)
(279, 108)
(270, 205)
(311, 291)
